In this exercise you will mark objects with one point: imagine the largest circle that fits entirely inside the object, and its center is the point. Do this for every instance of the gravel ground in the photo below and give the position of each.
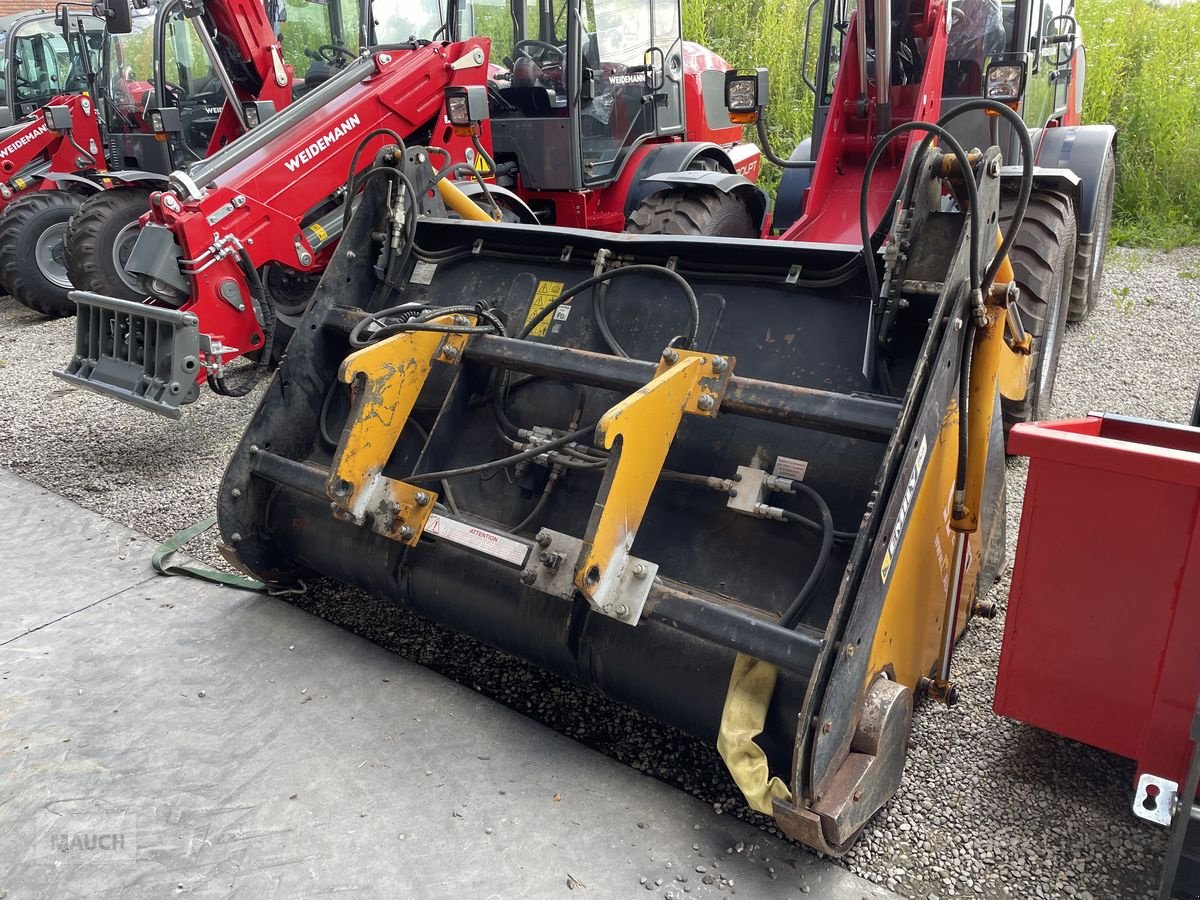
(988, 808)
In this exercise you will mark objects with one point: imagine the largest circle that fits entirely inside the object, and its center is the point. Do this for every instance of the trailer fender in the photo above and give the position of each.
(750, 193)
(669, 158)
(1081, 149)
(789, 199)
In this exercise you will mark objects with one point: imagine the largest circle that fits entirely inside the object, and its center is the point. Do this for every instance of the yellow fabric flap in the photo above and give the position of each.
(750, 688)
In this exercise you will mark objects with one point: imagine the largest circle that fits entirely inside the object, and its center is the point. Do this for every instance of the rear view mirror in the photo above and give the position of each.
(117, 15)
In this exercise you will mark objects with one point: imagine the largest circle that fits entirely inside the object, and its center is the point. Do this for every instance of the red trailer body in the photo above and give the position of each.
(1104, 608)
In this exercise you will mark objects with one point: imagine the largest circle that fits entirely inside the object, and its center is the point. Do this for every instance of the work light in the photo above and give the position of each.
(1005, 81)
(465, 108)
(258, 111)
(745, 95)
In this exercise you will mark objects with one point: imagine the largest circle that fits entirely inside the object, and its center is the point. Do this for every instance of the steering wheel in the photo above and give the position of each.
(519, 47)
(173, 93)
(331, 53)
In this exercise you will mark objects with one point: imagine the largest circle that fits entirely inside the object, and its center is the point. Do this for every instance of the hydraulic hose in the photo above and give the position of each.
(796, 610)
(765, 141)
(258, 292)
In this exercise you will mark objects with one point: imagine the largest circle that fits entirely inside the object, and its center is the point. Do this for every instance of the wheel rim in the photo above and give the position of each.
(121, 249)
(50, 255)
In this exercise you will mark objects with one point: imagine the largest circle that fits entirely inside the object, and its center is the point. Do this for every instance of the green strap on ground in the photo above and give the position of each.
(174, 545)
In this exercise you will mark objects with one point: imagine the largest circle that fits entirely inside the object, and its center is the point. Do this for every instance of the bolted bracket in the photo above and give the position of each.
(387, 378)
(639, 431)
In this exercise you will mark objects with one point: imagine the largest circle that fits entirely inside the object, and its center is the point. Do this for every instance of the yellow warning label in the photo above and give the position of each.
(481, 166)
(320, 232)
(546, 291)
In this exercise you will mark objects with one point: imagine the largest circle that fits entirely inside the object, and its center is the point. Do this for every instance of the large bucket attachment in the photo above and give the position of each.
(730, 549)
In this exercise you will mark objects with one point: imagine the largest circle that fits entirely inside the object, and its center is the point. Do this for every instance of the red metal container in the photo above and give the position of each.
(1102, 633)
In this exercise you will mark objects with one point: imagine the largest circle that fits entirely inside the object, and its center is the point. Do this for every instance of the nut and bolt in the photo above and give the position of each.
(253, 449)
(639, 571)
(235, 537)
(421, 498)
(994, 166)
(237, 492)
(542, 539)
(450, 353)
(670, 355)
(622, 611)
(528, 576)
(405, 532)
(826, 727)
(706, 402)
(719, 364)
(461, 320)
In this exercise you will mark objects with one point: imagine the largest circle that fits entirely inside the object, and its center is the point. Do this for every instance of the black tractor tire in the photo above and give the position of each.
(1042, 257)
(33, 234)
(693, 211)
(1089, 261)
(99, 238)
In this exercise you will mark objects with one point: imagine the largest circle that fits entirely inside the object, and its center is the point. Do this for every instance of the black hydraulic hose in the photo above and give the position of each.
(639, 269)
(796, 610)
(865, 193)
(531, 453)
(258, 292)
(765, 141)
(1026, 188)
(362, 145)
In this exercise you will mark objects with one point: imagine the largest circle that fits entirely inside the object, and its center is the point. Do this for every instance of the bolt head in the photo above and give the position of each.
(450, 353)
(826, 727)
(622, 611)
(421, 498)
(543, 538)
(237, 492)
(670, 355)
(706, 402)
(235, 537)
(528, 576)
(639, 571)
(719, 364)
(405, 532)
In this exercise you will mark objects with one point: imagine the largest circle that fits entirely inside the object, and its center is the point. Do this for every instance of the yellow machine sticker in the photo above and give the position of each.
(546, 292)
(481, 165)
(910, 494)
(320, 232)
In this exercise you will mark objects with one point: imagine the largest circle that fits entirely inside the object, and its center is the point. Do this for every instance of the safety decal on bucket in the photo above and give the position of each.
(546, 292)
(906, 505)
(478, 539)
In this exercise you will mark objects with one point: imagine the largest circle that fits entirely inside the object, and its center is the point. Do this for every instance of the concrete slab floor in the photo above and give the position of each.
(165, 737)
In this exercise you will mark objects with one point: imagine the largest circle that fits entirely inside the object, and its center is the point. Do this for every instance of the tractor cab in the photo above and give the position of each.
(38, 62)
(575, 87)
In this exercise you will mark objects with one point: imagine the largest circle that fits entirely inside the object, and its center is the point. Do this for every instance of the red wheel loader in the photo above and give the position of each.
(576, 127)
(754, 488)
(120, 139)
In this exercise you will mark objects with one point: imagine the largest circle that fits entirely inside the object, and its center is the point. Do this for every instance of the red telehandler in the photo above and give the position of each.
(120, 138)
(590, 111)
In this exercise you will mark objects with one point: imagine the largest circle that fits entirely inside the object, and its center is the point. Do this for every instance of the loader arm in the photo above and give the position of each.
(274, 200)
(34, 148)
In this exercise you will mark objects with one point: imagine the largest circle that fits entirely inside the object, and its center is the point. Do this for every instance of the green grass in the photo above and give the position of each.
(1143, 75)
